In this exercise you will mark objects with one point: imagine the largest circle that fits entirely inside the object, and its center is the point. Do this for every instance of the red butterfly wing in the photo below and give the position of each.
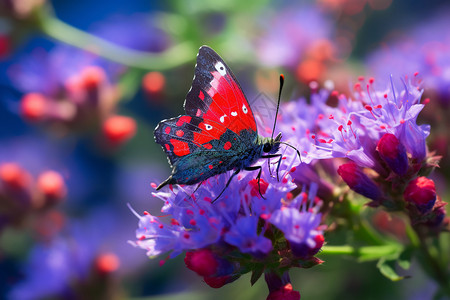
(216, 95)
(186, 135)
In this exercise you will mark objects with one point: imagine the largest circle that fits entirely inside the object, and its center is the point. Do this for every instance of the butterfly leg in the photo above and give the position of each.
(228, 183)
(258, 177)
(278, 164)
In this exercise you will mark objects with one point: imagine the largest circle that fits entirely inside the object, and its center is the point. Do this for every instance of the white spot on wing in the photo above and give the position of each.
(208, 127)
(222, 118)
(234, 114)
(244, 109)
(221, 68)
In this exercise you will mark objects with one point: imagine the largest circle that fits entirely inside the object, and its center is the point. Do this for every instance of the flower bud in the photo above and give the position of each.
(153, 83)
(92, 77)
(14, 177)
(51, 185)
(284, 293)
(33, 107)
(421, 192)
(107, 263)
(119, 129)
(393, 153)
(203, 262)
(358, 181)
(219, 281)
(280, 288)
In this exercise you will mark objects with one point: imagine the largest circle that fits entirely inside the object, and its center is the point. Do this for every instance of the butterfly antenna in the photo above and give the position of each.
(298, 152)
(278, 103)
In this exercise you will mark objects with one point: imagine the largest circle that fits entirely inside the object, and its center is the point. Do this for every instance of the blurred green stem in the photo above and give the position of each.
(363, 253)
(63, 32)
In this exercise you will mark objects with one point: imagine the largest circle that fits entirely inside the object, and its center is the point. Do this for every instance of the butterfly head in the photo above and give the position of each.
(271, 145)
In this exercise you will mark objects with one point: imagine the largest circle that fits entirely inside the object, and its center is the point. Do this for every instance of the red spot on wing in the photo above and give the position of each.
(210, 166)
(167, 130)
(167, 147)
(201, 95)
(199, 113)
(207, 146)
(183, 119)
(180, 148)
(227, 146)
(179, 133)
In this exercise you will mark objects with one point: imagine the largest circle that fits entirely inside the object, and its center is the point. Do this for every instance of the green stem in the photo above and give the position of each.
(61, 31)
(363, 253)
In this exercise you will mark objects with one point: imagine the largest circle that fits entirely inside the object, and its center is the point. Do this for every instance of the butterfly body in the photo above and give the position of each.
(218, 132)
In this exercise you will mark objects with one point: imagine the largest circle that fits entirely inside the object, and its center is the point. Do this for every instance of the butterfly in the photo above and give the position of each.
(218, 133)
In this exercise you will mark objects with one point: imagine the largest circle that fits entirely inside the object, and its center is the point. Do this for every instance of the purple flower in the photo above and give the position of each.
(243, 234)
(353, 128)
(299, 223)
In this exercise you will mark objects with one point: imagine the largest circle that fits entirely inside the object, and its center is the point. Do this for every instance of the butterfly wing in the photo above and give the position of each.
(198, 149)
(216, 94)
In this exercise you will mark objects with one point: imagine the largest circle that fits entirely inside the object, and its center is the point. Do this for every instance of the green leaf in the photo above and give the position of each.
(256, 274)
(387, 268)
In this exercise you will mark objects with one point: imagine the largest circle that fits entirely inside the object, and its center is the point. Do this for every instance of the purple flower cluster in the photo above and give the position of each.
(376, 130)
(240, 221)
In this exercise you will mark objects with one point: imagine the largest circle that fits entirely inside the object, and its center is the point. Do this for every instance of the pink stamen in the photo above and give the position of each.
(369, 108)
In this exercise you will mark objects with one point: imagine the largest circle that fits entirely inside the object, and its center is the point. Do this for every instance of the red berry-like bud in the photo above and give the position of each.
(119, 129)
(393, 153)
(51, 184)
(107, 263)
(284, 293)
(153, 83)
(33, 106)
(92, 77)
(13, 176)
(203, 262)
(421, 192)
(358, 181)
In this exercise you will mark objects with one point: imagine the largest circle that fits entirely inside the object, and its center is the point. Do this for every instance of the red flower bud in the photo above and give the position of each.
(153, 83)
(284, 293)
(358, 181)
(33, 107)
(51, 185)
(203, 262)
(92, 77)
(13, 176)
(393, 153)
(119, 129)
(107, 263)
(422, 193)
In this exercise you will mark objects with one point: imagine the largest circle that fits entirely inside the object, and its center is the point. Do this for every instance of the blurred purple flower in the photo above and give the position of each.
(87, 253)
(423, 49)
(138, 32)
(290, 34)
